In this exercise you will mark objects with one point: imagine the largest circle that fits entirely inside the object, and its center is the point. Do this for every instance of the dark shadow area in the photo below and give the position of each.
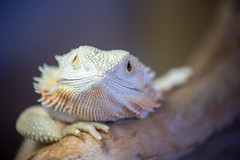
(221, 146)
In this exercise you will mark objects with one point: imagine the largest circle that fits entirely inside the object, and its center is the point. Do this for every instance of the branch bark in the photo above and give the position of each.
(190, 114)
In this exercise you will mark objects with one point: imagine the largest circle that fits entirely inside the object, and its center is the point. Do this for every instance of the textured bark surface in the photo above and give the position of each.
(190, 114)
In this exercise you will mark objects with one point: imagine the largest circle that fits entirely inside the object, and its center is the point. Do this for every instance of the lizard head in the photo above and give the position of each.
(97, 85)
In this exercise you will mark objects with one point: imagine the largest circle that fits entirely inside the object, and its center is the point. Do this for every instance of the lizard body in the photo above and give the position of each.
(87, 87)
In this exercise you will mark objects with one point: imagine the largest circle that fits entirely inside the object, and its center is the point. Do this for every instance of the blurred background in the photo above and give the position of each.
(162, 33)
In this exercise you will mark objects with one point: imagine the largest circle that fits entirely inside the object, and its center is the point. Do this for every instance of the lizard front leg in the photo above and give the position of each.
(35, 123)
(89, 127)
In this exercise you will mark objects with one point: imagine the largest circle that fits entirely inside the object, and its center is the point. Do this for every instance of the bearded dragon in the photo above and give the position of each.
(88, 87)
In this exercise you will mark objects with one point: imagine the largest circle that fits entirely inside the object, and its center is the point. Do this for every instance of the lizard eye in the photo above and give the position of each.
(129, 66)
(75, 61)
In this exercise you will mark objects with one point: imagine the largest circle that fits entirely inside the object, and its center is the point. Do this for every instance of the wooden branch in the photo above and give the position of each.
(190, 113)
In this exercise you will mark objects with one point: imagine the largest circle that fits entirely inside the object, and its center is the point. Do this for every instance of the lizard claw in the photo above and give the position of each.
(89, 127)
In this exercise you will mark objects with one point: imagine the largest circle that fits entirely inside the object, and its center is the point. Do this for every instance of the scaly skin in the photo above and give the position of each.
(89, 86)
(35, 123)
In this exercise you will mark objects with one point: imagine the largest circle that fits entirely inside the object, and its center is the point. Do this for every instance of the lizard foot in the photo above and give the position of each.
(89, 127)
